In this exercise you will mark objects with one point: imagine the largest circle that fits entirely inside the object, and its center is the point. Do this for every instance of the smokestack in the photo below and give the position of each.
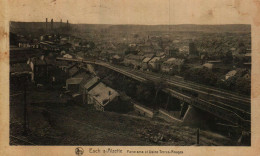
(51, 24)
(46, 24)
(67, 24)
(61, 23)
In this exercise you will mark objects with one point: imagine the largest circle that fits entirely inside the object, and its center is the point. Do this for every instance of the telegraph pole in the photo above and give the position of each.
(198, 137)
(25, 108)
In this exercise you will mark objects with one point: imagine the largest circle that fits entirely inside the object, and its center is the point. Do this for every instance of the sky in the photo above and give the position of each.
(144, 12)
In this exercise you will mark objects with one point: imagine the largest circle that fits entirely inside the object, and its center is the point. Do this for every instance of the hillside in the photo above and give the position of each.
(19, 27)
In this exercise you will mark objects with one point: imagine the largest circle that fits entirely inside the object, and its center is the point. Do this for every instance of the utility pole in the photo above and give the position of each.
(25, 109)
(198, 136)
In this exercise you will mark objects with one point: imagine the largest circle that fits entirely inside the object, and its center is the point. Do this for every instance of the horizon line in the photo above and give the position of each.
(127, 24)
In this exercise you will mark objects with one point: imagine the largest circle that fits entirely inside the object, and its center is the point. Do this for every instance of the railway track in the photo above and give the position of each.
(195, 87)
(228, 101)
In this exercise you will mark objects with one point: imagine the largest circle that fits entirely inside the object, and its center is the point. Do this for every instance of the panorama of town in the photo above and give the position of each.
(83, 84)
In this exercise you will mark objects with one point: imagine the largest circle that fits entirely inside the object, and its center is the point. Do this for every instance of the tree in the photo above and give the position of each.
(243, 85)
(228, 58)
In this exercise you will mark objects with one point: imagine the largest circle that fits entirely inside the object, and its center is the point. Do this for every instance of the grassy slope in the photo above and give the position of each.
(53, 122)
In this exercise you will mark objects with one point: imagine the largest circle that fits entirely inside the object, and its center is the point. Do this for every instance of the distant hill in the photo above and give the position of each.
(18, 27)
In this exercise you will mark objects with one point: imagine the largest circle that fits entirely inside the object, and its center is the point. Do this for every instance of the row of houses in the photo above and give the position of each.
(153, 62)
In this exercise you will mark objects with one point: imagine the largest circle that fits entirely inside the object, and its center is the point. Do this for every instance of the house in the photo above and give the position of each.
(146, 49)
(77, 79)
(80, 84)
(23, 43)
(154, 64)
(102, 97)
(86, 85)
(172, 65)
(68, 56)
(48, 45)
(34, 43)
(171, 51)
(230, 74)
(73, 84)
(133, 60)
(208, 66)
(147, 58)
(86, 77)
(131, 50)
(145, 63)
(72, 70)
(73, 87)
(64, 40)
(161, 54)
(157, 47)
(116, 59)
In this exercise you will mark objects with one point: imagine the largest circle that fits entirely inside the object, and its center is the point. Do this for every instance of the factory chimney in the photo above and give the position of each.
(51, 24)
(68, 24)
(61, 23)
(46, 24)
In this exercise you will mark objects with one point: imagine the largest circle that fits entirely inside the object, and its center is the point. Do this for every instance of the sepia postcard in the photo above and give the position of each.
(129, 77)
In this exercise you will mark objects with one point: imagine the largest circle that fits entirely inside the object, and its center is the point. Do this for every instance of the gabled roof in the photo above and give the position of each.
(85, 80)
(208, 65)
(160, 54)
(231, 73)
(72, 71)
(155, 59)
(147, 59)
(103, 94)
(149, 55)
(91, 83)
(173, 61)
(116, 57)
(74, 80)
